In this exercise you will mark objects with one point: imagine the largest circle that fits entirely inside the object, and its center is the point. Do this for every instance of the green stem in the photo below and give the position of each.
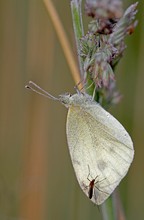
(112, 208)
(78, 28)
(107, 210)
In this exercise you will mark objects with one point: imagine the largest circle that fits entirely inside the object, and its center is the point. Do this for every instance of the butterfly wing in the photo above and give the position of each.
(98, 144)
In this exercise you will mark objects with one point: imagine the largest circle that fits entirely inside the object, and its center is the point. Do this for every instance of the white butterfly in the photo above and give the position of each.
(96, 140)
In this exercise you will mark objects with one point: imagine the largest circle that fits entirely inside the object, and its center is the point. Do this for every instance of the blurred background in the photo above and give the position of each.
(37, 181)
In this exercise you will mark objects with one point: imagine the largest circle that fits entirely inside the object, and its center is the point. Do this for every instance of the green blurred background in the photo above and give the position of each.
(37, 180)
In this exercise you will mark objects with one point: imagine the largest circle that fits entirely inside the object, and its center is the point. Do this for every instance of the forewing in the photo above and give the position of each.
(99, 147)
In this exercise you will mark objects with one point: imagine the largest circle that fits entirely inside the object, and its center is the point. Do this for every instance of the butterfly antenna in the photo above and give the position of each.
(35, 88)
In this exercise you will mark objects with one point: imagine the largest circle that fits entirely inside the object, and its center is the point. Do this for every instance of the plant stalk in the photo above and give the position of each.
(78, 29)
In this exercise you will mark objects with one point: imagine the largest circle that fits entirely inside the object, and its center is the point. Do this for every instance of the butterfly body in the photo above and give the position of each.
(95, 139)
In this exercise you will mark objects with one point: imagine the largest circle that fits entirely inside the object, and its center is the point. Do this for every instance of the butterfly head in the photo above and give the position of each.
(65, 99)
